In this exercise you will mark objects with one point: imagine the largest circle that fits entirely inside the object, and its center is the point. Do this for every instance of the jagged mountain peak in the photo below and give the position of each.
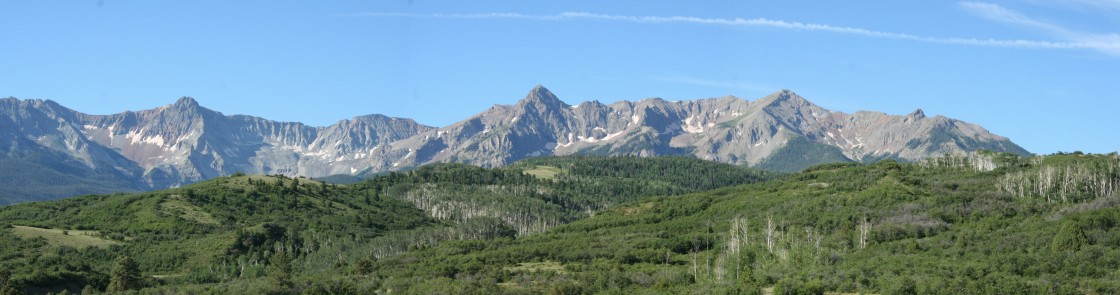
(35, 102)
(186, 101)
(915, 116)
(540, 95)
(372, 117)
(781, 97)
(41, 105)
(183, 142)
(383, 119)
(540, 88)
(184, 106)
(728, 98)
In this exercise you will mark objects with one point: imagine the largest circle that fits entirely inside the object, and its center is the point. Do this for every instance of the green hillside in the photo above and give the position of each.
(226, 233)
(206, 232)
(945, 226)
(800, 153)
(981, 224)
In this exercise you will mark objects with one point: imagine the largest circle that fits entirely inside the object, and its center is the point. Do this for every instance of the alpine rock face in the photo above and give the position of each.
(43, 143)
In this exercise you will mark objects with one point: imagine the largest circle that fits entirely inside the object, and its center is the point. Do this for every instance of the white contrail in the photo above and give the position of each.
(760, 22)
(1107, 43)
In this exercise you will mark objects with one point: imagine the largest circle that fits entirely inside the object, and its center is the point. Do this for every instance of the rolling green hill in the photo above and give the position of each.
(206, 232)
(225, 233)
(980, 224)
(987, 224)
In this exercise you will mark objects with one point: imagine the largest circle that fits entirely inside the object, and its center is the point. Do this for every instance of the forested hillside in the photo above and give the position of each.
(236, 232)
(208, 232)
(985, 224)
(980, 224)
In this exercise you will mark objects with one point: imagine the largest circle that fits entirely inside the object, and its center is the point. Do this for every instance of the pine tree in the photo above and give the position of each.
(280, 268)
(1069, 239)
(364, 266)
(125, 276)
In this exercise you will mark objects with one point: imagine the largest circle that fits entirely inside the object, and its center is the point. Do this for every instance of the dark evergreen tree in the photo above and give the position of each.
(280, 268)
(125, 275)
(364, 266)
(1069, 239)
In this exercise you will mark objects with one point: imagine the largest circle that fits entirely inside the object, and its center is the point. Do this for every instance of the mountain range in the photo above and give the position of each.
(48, 151)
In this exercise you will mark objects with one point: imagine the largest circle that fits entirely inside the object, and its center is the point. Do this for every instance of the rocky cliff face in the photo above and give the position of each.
(184, 142)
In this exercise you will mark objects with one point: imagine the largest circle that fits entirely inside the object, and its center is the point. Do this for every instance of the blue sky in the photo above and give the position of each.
(1045, 73)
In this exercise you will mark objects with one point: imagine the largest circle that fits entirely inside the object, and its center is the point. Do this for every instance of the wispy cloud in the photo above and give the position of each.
(999, 13)
(1106, 43)
(1101, 45)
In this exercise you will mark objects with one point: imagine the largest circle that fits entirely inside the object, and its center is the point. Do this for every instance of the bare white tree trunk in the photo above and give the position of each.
(720, 268)
(735, 240)
(770, 233)
(864, 229)
(733, 237)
